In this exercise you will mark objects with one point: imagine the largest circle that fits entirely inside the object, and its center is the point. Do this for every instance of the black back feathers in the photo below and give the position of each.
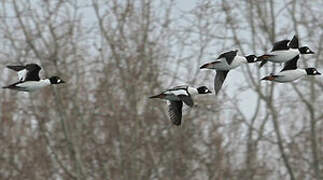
(294, 43)
(291, 64)
(32, 71)
(281, 45)
(229, 56)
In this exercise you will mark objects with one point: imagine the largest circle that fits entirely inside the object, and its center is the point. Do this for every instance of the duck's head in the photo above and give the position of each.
(251, 58)
(305, 50)
(203, 90)
(56, 80)
(312, 71)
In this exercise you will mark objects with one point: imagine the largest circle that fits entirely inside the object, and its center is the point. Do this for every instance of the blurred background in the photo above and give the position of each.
(115, 53)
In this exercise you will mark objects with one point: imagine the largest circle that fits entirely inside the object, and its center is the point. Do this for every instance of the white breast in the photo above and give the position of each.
(283, 55)
(34, 85)
(290, 75)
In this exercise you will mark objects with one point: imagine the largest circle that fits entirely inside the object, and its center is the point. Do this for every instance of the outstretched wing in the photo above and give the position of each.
(294, 43)
(291, 64)
(32, 72)
(175, 112)
(281, 45)
(229, 56)
(219, 79)
(21, 71)
(16, 68)
(29, 72)
(187, 100)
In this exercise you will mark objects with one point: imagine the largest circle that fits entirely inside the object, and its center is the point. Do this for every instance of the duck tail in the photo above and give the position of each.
(264, 59)
(269, 78)
(265, 78)
(157, 96)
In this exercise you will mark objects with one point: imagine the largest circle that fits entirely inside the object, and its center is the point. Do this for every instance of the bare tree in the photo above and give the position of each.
(114, 54)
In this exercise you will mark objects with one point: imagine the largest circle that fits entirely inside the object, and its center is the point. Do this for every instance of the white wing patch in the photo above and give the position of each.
(178, 92)
(193, 91)
(22, 75)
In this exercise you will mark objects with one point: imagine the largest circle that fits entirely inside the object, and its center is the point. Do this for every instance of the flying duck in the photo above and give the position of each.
(284, 51)
(176, 96)
(224, 63)
(29, 80)
(290, 72)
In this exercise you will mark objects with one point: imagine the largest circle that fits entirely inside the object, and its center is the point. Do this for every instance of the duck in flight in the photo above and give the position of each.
(224, 63)
(29, 80)
(284, 51)
(176, 96)
(290, 72)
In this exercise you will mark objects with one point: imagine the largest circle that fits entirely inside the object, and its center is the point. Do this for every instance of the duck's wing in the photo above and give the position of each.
(21, 71)
(16, 68)
(32, 72)
(175, 112)
(187, 100)
(281, 45)
(294, 43)
(219, 79)
(291, 64)
(229, 56)
(29, 72)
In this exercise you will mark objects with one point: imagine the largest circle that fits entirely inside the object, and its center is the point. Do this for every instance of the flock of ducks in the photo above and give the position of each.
(285, 51)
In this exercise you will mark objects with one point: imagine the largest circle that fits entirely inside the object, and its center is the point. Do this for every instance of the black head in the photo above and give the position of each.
(56, 80)
(203, 90)
(251, 58)
(312, 71)
(305, 50)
